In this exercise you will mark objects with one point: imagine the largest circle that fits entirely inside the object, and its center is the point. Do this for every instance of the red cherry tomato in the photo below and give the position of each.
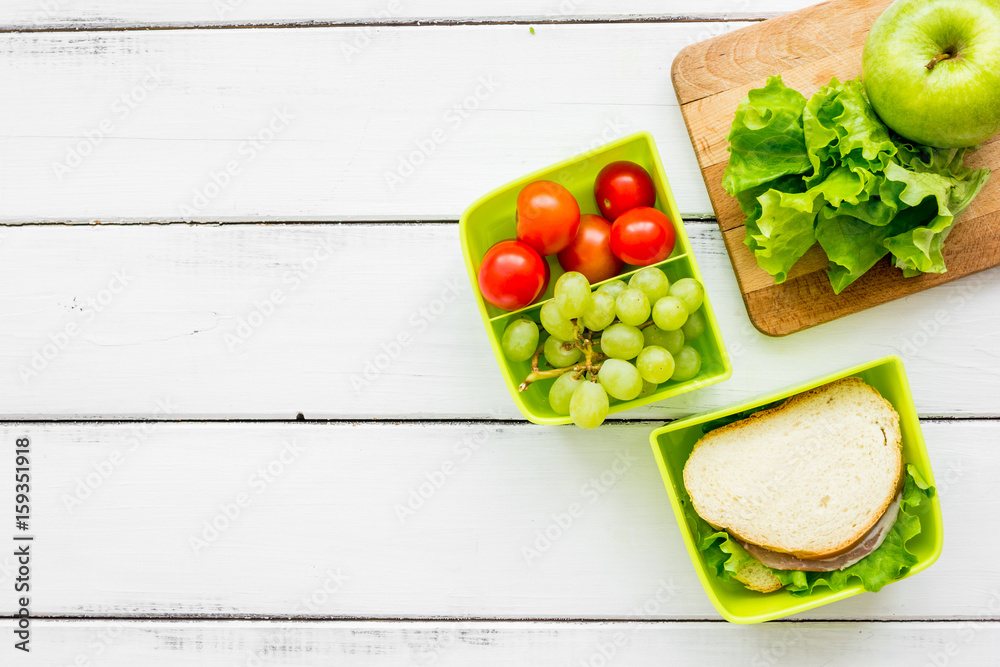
(548, 217)
(590, 252)
(642, 236)
(512, 275)
(548, 276)
(621, 186)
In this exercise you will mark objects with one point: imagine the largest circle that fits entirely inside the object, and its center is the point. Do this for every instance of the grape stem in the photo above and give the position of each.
(591, 363)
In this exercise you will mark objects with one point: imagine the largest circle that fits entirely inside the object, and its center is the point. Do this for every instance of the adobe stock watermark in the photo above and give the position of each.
(435, 479)
(965, 633)
(361, 37)
(612, 128)
(224, 8)
(931, 325)
(257, 483)
(57, 341)
(262, 310)
(121, 108)
(101, 639)
(566, 8)
(48, 11)
(452, 119)
(420, 319)
(8, 568)
(428, 651)
(311, 604)
(101, 471)
(791, 635)
(591, 491)
(246, 152)
(652, 607)
(716, 29)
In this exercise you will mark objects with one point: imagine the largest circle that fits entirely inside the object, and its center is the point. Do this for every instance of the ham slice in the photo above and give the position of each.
(871, 541)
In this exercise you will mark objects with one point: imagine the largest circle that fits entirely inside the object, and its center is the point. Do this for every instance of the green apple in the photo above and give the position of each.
(932, 70)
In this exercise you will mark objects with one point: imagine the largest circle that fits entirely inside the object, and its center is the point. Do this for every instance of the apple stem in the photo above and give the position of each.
(938, 58)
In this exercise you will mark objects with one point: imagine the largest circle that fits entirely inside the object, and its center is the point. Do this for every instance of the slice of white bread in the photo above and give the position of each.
(756, 577)
(809, 477)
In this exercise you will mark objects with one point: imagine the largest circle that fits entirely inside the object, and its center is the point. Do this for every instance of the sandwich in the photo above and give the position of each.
(811, 492)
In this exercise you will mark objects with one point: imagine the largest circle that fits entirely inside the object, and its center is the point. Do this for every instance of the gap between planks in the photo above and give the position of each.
(98, 26)
(191, 618)
(374, 421)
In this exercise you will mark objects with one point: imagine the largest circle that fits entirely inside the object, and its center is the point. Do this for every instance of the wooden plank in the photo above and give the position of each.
(803, 38)
(364, 644)
(198, 322)
(118, 14)
(292, 124)
(808, 48)
(420, 520)
(808, 299)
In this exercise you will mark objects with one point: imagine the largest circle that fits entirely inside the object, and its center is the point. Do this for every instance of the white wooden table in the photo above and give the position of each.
(217, 216)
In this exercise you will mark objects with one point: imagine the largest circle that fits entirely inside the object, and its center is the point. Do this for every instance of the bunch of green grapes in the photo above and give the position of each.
(617, 343)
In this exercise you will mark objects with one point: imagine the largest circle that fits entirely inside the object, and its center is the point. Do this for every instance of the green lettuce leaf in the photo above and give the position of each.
(780, 235)
(729, 419)
(920, 248)
(881, 205)
(820, 127)
(864, 139)
(891, 561)
(828, 170)
(842, 128)
(854, 246)
(766, 140)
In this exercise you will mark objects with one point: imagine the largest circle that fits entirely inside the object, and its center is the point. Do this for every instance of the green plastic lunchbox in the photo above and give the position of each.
(491, 220)
(672, 445)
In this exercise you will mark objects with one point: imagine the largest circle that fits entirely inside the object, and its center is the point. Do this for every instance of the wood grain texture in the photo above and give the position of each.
(372, 135)
(417, 521)
(120, 14)
(377, 643)
(808, 48)
(312, 307)
(200, 323)
(803, 38)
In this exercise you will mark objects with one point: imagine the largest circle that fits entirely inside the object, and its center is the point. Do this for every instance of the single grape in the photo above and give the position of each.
(655, 364)
(671, 341)
(520, 339)
(555, 323)
(686, 364)
(562, 390)
(614, 287)
(669, 313)
(652, 282)
(600, 313)
(620, 379)
(572, 294)
(689, 291)
(695, 326)
(589, 405)
(647, 389)
(558, 356)
(632, 307)
(621, 341)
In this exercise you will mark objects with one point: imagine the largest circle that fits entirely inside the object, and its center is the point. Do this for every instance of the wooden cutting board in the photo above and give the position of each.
(808, 48)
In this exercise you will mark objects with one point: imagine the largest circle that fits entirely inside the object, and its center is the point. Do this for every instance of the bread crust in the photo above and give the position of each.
(763, 415)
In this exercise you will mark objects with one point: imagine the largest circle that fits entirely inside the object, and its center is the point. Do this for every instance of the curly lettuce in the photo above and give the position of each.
(767, 137)
(827, 170)
(889, 562)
